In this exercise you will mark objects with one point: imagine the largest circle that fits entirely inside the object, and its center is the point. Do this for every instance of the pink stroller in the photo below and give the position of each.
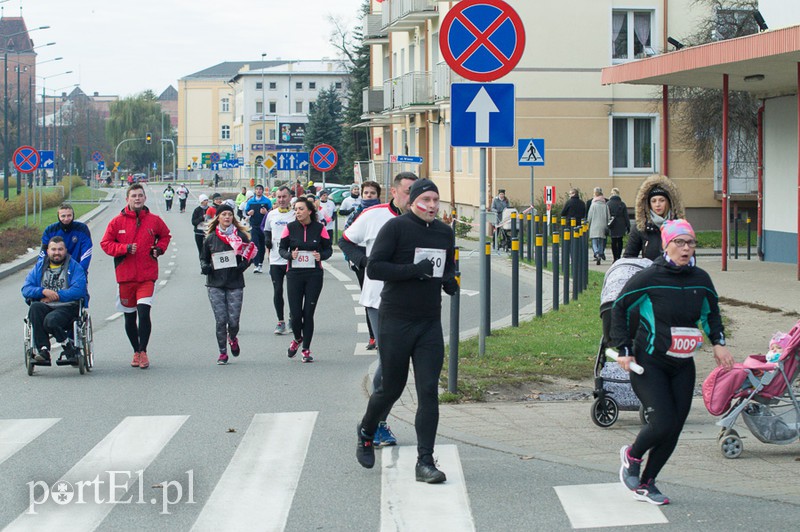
(762, 393)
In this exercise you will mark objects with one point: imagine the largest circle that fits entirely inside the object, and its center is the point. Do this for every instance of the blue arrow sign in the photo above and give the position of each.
(405, 159)
(101, 165)
(214, 166)
(47, 159)
(531, 152)
(482, 115)
(292, 160)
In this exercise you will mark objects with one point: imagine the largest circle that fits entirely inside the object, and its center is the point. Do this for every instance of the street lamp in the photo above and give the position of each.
(5, 106)
(57, 129)
(263, 119)
(44, 108)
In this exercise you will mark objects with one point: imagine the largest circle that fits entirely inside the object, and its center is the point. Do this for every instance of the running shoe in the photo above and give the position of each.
(629, 471)
(307, 356)
(257, 269)
(222, 360)
(135, 361)
(372, 345)
(429, 474)
(293, 347)
(384, 436)
(365, 452)
(648, 492)
(235, 350)
(43, 355)
(144, 362)
(280, 328)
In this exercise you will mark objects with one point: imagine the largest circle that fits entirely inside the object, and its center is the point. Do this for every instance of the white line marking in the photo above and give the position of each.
(167, 272)
(173, 256)
(123, 451)
(469, 293)
(170, 264)
(352, 287)
(606, 505)
(355, 297)
(361, 350)
(410, 505)
(265, 468)
(114, 316)
(162, 283)
(17, 433)
(362, 327)
(336, 273)
(359, 311)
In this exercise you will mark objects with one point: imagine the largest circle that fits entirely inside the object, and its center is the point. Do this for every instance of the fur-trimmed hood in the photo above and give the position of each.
(643, 204)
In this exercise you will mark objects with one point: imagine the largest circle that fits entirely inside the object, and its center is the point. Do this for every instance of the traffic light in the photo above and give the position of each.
(148, 138)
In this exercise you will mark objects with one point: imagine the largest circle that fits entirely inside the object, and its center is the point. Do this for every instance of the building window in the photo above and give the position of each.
(458, 159)
(436, 150)
(312, 85)
(311, 107)
(225, 133)
(272, 135)
(259, 85)
(298, 85)
(273, 106)
(633, 140)
(225, 105)
(631, 34)
(447, 149)
(337, 85)
(259, 134)
(273, 85)
(259, 107)
(298, 106)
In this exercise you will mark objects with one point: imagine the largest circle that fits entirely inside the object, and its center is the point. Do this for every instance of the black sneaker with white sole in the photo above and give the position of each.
(429, 474)
(365, 451)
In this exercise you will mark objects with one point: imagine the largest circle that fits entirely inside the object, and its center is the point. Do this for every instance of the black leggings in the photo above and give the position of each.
(403, 342)
(303, 289)
(360, 276)
(278, 273)
(139, 336)
(665, 389)
(616, 247)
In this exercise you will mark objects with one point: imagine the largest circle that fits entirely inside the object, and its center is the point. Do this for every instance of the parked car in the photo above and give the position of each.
(338, 195)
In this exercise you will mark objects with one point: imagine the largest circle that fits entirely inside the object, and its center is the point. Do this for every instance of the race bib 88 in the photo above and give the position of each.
(223, 260)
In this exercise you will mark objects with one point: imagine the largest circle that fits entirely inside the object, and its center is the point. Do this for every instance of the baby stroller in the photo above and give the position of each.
(761, 392)
(612, 384)
(503, 230)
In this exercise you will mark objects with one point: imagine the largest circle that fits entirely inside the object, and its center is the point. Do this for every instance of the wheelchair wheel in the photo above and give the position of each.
(28, 344)
(88, 344)
(604, 412)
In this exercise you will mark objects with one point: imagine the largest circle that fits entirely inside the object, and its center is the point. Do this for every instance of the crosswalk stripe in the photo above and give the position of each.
(362, 327)
(410, 505)
(361, 350)
(257, 488)
(355, 297)
(605, 505)
(123, 450)
(17, 433)
(352, 287)
(336, 273)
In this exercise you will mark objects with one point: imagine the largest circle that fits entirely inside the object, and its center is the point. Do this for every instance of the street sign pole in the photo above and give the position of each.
(483, 272)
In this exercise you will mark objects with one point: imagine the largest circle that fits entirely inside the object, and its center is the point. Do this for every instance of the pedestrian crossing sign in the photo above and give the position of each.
(531, 152)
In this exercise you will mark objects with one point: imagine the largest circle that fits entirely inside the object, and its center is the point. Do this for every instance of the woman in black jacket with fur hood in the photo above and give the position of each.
(658, 199)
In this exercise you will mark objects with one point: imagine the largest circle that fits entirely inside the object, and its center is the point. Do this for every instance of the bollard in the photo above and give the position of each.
(336, 228)
(455, 311)
(529, 219)
(513, 226)
(749, 221)
(539, 287)
(567, 253)
(546, 232)
(521, 233)
(736, 238)
(487, 285)
(555, 267)
(576, 259)
(536, 230)
(586, 243)
(514, 281)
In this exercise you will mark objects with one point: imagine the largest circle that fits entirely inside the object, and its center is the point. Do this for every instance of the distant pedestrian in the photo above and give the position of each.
(169, 194)
(574, 208)
(327, 209)
(657, 200)
(598, 224)
(257, 208)
(200, 222)
(216, 180)
(183, 194)
(274, 223)
(499, 204)
(350, 203)
(240, 199)
(619, 224)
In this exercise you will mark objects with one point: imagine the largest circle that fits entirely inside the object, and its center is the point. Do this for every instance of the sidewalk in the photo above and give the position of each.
(563, 432)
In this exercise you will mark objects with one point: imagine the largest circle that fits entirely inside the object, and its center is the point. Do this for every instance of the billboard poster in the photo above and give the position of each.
(291, 133)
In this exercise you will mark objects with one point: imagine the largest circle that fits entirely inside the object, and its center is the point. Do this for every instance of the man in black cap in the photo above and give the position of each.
(413, 255)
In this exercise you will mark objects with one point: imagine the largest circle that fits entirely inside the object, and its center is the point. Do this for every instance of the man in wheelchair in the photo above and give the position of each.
(54, 290)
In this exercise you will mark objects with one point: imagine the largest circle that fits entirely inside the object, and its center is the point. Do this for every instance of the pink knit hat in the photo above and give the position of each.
(672, 229)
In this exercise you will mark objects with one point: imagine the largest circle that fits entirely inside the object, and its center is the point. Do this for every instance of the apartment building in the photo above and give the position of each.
(595, 135)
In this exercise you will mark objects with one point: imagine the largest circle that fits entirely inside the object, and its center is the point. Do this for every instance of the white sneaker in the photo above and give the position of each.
(257, 269)
(280, 328)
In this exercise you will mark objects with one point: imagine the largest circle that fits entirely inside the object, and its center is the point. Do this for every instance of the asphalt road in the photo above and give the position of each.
(265, 442)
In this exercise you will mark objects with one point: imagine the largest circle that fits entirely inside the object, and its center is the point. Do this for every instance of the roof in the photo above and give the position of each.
(768, 59)
(169, 94)
(229, 69)
(19, 43)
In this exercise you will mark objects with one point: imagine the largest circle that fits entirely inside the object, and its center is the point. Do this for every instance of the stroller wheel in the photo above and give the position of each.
(604, 412)
(644, 416)
(731, 445)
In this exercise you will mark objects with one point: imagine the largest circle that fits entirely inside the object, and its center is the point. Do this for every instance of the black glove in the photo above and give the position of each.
(242, 266)
(424, 269)
(206, 269)
(450, 286)
(362, 264)
(155, 251)
(268, 244)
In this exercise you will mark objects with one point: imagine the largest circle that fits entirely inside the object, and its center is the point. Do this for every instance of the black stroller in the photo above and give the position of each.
(612, 384)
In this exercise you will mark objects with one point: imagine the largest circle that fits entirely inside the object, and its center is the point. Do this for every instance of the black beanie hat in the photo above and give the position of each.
(658, 191)
(224, 207)
(421, 186)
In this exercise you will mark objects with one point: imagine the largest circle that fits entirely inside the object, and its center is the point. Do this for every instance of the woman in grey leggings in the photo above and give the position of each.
(226, 254)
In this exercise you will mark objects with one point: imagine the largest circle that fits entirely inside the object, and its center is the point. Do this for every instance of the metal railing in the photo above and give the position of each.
(412, 88)
(394, 10)
(372, 26)
(372, 100)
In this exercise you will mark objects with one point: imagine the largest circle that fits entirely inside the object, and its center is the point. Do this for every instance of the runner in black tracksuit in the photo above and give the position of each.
(414, 258)
(305, 244)
(672, 297)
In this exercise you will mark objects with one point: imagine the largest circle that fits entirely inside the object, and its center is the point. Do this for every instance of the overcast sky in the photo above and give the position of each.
(126, 46)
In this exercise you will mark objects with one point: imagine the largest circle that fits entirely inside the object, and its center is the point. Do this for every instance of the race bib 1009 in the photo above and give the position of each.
(437, 256)
(685, 341)
(223, 259)
(305, 259)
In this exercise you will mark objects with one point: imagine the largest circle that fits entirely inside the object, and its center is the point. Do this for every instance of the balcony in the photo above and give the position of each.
(443, 76)
(404, 15)
(373, 31)
(408, 92)
(372, 100)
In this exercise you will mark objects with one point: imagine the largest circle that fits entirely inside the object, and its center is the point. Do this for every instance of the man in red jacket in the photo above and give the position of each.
(136, 238)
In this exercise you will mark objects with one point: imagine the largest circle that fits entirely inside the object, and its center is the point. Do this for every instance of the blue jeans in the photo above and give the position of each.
(599, 246)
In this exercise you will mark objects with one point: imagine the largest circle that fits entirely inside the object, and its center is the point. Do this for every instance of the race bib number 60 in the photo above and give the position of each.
(223, 259)
(437, 256)
(685, 341)
(305, 259)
